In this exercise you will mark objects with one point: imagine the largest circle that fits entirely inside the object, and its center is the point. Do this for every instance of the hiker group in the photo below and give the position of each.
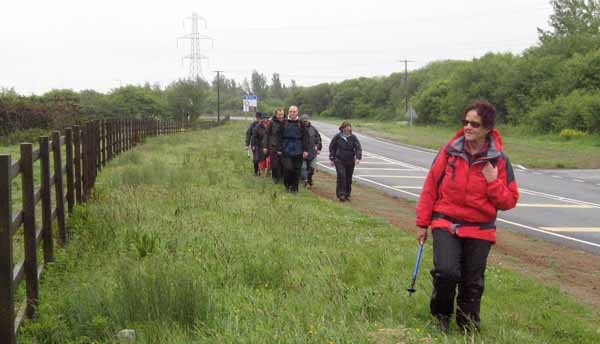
(470, 180)
(285, 146)
(288, 147)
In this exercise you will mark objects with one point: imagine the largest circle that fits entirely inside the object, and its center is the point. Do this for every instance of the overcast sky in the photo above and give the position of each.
(104, 44)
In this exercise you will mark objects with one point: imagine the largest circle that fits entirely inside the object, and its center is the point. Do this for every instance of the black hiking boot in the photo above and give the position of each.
(443, 323)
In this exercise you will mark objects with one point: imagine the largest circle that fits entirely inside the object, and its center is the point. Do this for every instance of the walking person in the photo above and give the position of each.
(272, 144)
(259, 132)
(314, 148)
(470, 179)
(294, 149)
(248, 138)
(344, 153)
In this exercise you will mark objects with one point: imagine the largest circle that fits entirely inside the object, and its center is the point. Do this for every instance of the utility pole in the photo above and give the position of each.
(406, 88)
(218, 94)
(195, 56)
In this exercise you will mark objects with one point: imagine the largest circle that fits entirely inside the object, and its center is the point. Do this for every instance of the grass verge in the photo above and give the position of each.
(184, 246)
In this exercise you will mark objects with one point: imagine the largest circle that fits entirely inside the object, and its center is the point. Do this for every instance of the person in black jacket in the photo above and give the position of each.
(256, 141)
(272, 144)
(344, 152)
(294, 149)
(314, 148)
(248, 138)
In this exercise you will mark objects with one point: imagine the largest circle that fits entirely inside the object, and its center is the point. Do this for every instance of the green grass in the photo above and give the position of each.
(524, 147)
(184, 246)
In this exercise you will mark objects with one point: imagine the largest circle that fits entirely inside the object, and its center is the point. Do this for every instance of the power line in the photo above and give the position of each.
(195, 56)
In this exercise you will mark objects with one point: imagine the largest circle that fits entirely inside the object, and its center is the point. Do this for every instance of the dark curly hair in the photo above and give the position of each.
(485, 110)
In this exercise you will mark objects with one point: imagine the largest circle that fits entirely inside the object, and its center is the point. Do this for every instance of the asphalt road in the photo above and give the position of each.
(562, 206)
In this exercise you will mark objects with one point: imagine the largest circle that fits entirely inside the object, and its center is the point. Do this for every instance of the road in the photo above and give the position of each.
(562, 206)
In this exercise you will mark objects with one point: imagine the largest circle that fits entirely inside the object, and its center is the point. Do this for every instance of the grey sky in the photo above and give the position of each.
(104, 44)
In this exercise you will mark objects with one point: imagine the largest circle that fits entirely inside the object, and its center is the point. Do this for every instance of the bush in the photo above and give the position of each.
(568, 134)
(580, 110)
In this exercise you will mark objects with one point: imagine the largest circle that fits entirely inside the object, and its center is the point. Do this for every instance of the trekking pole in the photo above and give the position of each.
(411, 289)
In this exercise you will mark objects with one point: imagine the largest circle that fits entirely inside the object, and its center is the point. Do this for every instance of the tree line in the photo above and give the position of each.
(551, 86)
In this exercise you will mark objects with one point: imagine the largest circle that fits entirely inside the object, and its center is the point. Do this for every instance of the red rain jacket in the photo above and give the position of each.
(456, 197)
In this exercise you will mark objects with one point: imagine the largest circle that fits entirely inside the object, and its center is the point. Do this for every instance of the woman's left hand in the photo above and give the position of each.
(489, 172)
(357, 162)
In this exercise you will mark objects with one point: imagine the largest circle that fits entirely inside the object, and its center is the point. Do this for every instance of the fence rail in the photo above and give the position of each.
(88, 149)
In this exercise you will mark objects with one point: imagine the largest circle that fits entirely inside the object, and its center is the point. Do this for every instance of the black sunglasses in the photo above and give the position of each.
(473, 124)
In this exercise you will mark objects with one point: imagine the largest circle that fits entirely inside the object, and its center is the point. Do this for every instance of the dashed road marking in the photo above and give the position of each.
(383, 169)
(573, 229)
(544, 205)
(389, 176)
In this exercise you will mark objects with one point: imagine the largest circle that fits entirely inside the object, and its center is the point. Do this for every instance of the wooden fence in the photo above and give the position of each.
(87, 150)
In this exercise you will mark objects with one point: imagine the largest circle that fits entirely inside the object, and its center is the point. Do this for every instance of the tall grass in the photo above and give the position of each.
(183, 245)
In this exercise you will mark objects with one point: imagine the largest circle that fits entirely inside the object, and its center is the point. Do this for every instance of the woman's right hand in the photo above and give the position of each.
(422, 235)
(331, 163)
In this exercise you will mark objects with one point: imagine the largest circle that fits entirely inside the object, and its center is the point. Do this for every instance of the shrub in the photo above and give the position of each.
(571, 133)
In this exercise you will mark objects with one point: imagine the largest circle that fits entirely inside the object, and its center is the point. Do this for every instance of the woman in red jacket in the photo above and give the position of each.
(469, 181)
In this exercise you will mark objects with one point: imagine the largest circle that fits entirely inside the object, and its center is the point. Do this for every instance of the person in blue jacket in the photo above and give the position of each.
(294, 149)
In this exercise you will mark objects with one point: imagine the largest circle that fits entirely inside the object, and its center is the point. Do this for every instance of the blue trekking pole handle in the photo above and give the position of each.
(416, 269)
(417, 262)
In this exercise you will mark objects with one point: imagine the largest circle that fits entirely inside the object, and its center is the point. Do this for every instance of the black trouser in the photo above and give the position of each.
(344, 178)
(458, 262)
(276, 167)
(310, 171)
(255, 160)
(292, 167)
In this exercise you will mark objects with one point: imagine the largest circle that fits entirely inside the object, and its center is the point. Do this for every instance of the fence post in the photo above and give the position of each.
(127, 134)
(103, 137)
(46, 199)
(98, 144)
(77, 147)
(70, 183)
(96, 151)
(58, 188)
(7, 307)
(84, 147)
(108, 140)
(29, 229)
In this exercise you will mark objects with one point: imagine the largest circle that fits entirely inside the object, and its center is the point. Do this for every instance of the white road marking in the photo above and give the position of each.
(383, 169)
(556, 197)
(549, 233)
(573, 229)
(389, 176)
(422, 150)
(520, 166)
(544, 205)
(407, 187)
(579, 180)
(557, 177)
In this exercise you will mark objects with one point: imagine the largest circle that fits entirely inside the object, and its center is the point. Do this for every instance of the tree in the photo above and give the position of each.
(276, 87)
(135, 101)
(572, 17)
(259, 84)
(187, 98)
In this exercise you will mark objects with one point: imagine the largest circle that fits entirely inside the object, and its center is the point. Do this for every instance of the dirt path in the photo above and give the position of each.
(575, 272)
